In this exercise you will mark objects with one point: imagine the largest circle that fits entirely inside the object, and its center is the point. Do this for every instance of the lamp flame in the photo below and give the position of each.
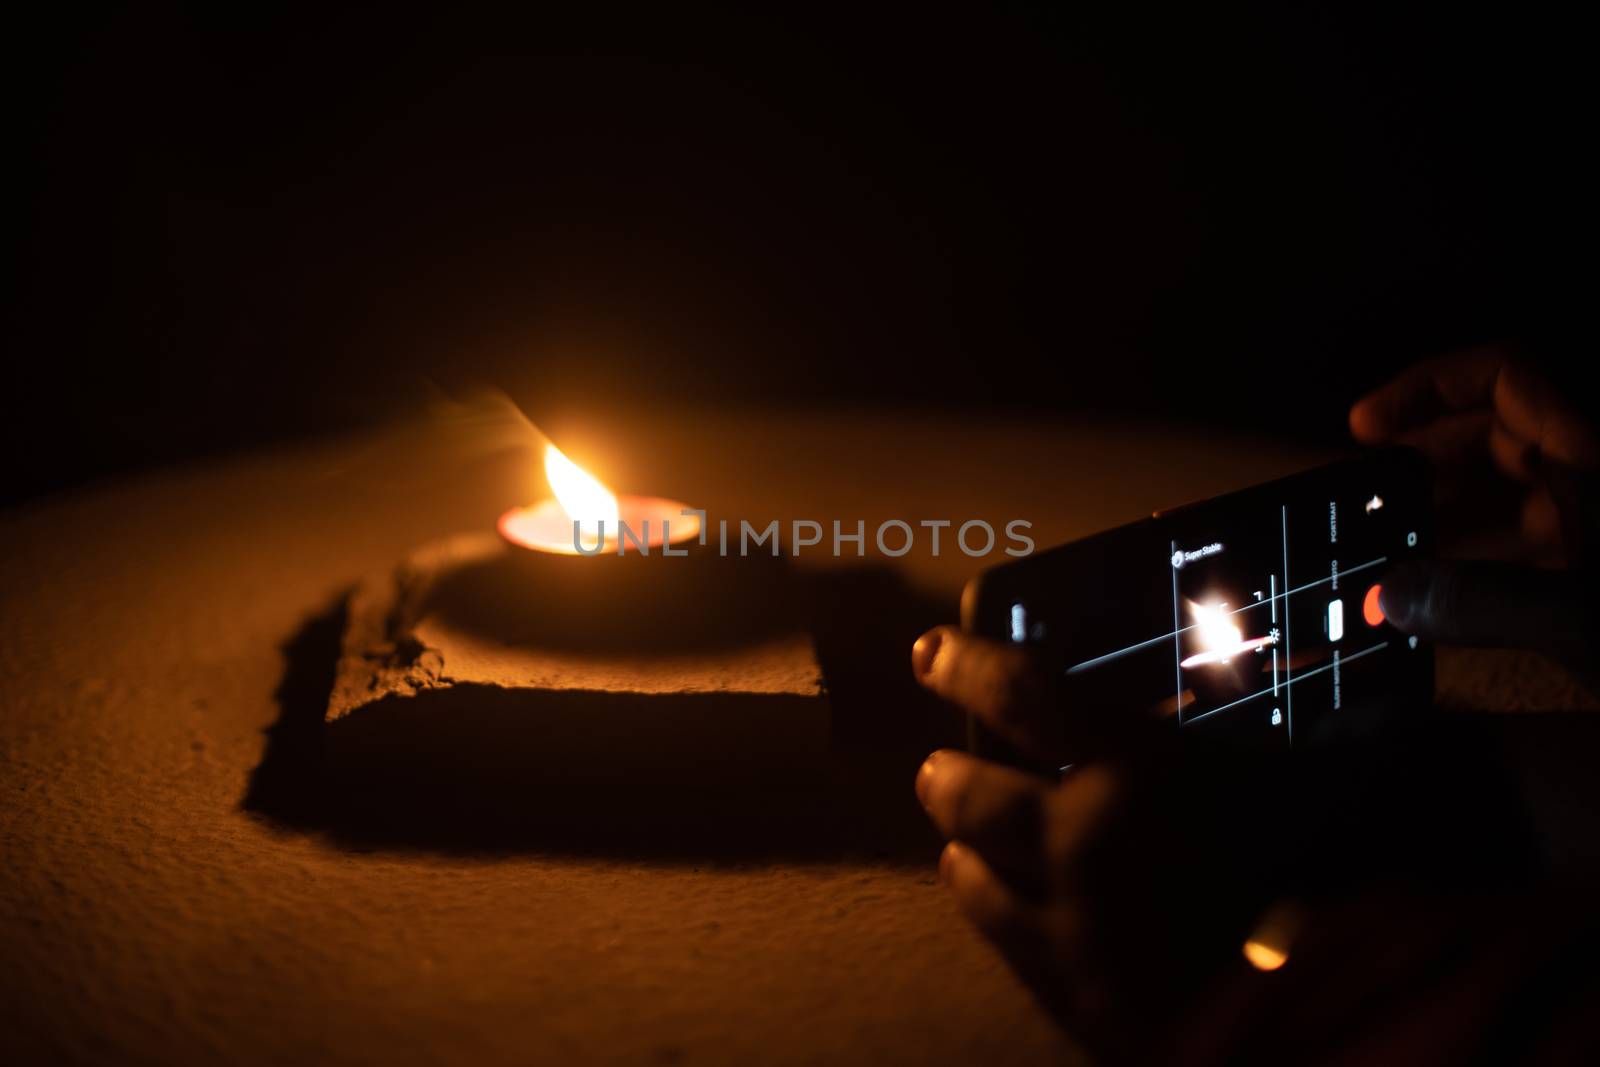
(580, 494)
(1214, 629)
(1219, 639)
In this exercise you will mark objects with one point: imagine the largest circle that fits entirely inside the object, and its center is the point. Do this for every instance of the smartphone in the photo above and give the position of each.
(1251, 619)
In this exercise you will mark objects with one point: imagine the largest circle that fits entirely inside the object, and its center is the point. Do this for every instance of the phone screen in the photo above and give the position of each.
(1254, 615)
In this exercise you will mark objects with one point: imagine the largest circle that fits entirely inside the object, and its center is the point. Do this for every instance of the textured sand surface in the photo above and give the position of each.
(148, 915)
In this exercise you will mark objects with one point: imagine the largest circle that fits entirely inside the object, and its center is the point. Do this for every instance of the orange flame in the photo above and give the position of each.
(580, 494)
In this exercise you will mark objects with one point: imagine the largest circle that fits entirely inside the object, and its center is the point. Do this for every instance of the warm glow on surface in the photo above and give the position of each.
(1264, 957)
(581, 496)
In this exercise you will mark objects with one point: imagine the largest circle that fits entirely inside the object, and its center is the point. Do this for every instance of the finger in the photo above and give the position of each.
(1000, 684)
(994, 809)
(1516, 456)
(1541, 523)
(1450, 439)
(1041, 943)
(1455, 382)
(1487, 605)
(1073, 814)
(1534, 410)
(989, 903)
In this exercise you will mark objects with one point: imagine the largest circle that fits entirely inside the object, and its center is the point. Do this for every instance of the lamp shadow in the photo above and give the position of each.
(457, 770)
(704, 602)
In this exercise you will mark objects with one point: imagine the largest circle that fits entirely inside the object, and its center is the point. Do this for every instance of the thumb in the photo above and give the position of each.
(1485, 604)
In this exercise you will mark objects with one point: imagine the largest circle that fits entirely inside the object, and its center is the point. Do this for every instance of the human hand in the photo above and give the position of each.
(1486, 401)
(1117, 893)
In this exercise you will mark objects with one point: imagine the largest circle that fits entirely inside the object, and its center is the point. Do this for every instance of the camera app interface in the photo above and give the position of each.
(1255, 615)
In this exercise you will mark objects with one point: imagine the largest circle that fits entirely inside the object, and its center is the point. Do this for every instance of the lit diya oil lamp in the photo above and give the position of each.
(584, 518)
(590, 563)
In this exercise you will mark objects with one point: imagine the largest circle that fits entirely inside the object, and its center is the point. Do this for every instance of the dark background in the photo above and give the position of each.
(240, 227)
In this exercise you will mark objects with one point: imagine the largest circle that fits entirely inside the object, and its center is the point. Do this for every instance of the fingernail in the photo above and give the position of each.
(923, 652)
(925, 777)
(1399, 593)
(947, 860)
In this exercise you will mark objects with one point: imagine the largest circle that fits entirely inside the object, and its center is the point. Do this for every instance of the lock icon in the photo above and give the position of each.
(1277, 717)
